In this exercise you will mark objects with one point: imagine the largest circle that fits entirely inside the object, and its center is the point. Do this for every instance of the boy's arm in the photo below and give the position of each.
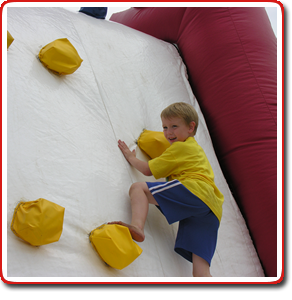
(130, 156)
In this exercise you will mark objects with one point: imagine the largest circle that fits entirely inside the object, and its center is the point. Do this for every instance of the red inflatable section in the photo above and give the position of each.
(230, 54)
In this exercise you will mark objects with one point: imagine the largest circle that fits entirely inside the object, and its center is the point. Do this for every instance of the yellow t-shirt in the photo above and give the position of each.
(187, 162)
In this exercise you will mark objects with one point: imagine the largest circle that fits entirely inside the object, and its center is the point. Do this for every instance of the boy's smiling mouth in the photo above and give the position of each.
(172, 139)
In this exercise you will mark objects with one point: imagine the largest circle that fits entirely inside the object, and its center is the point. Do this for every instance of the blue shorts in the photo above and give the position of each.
(198, 226)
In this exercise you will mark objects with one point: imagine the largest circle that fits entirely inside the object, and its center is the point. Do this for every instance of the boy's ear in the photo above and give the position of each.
(192, 126)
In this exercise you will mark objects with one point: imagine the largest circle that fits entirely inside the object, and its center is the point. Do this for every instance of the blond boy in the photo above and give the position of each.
(189, 196)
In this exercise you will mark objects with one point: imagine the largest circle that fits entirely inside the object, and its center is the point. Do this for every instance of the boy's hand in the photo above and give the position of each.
(126, 151)
(130, 156)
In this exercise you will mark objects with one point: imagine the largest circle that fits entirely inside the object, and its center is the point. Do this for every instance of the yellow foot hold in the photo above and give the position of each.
(114, 244)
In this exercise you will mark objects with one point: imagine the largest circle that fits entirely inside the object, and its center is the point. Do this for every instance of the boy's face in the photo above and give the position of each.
(175, 129)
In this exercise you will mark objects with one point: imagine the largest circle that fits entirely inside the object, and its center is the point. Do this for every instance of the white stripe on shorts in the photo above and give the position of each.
(164, 186)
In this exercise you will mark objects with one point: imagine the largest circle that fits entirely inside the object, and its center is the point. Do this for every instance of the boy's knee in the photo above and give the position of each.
(131, 189)
(135, 186)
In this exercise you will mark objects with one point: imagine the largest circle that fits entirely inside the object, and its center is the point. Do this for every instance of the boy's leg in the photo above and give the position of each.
(140, 198)
(201, 267)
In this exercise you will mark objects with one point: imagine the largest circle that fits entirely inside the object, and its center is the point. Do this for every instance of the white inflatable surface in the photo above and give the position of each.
(62, 146)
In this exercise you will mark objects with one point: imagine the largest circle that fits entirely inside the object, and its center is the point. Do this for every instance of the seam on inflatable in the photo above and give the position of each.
(99, 90)
(180, 28)
(250, 65)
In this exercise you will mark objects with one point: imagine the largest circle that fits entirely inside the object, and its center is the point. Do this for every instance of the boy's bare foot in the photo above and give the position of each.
(136, 233)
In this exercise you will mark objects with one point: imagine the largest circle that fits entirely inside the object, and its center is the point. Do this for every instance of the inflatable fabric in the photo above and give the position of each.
(10, 39)
(115, 245)
(231, 58)
(60, 56)
(38, 222)
(96, 12)
(62, 143)
(153, 143)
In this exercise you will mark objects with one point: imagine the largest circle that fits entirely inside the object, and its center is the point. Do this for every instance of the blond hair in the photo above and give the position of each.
(181, 110)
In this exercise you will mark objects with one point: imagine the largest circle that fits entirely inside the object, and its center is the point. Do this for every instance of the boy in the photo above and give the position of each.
(189, 196)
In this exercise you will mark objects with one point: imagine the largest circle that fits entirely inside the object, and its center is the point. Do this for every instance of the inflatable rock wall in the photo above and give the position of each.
(62, 146)
(230, 54)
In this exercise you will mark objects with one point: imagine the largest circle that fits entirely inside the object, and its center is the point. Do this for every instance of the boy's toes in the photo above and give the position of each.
(115, 222)
(136, 233)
